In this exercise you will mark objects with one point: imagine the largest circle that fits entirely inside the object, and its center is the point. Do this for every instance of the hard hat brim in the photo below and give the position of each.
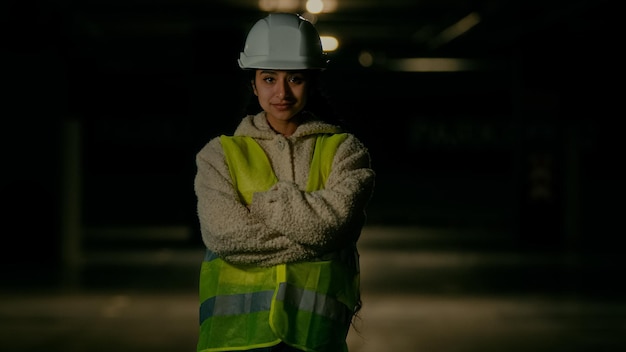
(246, 62)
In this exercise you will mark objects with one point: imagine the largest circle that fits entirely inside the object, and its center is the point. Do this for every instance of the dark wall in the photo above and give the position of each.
(528, 146)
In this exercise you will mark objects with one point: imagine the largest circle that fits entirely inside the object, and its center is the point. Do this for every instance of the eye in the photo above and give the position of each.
(268, 79)
(296, 79)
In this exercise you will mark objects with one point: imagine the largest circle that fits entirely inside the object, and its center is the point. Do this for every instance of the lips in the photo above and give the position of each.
(282, 106)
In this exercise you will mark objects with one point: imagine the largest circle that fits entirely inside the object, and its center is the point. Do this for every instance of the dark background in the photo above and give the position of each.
(105, 104)
(497, 218)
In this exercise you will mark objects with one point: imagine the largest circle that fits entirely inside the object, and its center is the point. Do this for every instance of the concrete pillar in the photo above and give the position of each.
(71, 229)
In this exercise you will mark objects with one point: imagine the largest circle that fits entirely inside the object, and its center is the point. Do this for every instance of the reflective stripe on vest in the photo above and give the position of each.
(307, 305)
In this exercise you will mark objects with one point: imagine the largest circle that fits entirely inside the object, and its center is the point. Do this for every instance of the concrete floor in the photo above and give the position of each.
(423, 290)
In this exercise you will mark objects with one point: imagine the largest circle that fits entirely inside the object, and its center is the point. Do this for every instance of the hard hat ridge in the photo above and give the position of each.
(283, 41)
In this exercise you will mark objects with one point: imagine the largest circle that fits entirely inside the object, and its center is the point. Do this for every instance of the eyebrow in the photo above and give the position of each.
(293, 72)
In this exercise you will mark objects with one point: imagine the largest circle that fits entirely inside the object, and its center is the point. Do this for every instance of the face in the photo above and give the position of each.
(281, 94)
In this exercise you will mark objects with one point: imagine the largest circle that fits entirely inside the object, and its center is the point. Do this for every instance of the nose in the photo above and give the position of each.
(282, 89)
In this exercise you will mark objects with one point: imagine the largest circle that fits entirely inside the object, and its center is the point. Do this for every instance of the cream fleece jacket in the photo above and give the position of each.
(286, 223)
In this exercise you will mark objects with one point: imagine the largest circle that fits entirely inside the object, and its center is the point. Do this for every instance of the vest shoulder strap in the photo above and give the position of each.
(251, 171)
(322, 160)
(249, 167)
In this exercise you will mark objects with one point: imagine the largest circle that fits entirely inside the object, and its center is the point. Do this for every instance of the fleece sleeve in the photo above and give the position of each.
(328, 219)
(226, 225)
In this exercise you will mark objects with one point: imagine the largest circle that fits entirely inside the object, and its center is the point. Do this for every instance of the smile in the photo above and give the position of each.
(282, 106)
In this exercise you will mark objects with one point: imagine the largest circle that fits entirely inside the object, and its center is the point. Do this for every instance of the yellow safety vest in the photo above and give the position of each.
(308, 305)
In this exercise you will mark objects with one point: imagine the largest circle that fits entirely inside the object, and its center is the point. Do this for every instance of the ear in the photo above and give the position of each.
(254, 88)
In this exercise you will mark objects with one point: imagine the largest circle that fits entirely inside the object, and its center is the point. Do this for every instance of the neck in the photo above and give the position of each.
(286, 128)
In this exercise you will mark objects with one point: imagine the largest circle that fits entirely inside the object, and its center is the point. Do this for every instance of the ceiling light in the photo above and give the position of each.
(329, 43)
(315, 6)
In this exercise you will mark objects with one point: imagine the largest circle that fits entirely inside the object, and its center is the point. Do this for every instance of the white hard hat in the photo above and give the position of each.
(283, 41)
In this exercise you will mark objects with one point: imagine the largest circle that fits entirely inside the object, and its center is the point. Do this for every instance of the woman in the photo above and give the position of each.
(281, 205)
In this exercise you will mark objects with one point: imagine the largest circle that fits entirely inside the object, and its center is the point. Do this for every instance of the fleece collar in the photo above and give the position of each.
(256, 126)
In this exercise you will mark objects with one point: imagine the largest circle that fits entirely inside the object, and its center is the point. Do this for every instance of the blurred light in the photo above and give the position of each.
(279, 5)
(117, 305)
(330, 5)
(366, 59)
(457, 29)
(433, 65)
(329, 43)
(314, 6)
